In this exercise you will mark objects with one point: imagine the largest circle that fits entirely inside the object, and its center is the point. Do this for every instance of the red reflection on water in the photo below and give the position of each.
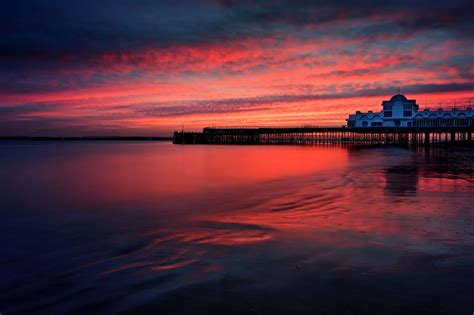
(227, 237)
(140, 259)
(381, 205)
(173, 265)
(288, 190)
(111, 173)
(446, 184)
(161, 217)
(238, 196)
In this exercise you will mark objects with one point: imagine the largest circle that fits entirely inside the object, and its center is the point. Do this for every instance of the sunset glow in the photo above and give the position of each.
(73, 69)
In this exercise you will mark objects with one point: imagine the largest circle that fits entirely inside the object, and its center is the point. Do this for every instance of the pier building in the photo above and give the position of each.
(402, 112)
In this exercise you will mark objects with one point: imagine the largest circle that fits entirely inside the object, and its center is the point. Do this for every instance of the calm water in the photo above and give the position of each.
(155, 228)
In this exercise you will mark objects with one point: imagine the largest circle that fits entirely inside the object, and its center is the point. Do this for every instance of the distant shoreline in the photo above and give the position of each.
(98, 138)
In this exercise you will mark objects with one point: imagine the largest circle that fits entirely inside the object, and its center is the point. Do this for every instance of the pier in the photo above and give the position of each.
(410, 136)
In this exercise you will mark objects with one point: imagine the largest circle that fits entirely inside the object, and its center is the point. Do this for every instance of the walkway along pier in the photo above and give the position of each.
(414, 136)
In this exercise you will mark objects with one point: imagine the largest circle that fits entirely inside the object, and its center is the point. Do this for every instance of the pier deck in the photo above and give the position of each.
(327, 135)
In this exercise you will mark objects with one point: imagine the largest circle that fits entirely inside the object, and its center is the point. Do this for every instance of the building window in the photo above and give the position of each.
(364, 124)
(387, 113)
(461, 121)
(397, 123)
(409, 124)
(407, 113)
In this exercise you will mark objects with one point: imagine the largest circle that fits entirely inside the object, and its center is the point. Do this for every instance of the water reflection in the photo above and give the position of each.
(401, 179)
(150, 228)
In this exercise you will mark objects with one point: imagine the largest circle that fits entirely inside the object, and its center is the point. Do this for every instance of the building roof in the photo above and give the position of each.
(398, 97)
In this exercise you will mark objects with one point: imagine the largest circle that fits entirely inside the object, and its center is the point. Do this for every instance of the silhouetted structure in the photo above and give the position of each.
(399, 123)
(327, 135)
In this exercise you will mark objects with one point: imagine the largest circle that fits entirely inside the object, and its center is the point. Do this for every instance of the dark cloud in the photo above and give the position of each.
(11, 112)
(46, 35)
(60, 127)
(245, 104)
(43, 29)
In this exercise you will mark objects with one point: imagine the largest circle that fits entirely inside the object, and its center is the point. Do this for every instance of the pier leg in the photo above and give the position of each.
(427, 138)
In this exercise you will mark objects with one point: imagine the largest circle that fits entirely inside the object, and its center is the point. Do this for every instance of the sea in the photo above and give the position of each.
(148, 227)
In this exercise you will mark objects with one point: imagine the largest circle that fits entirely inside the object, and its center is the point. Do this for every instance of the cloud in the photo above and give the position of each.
(220, 106)
(42, 29)
(98, 62)
(262, 103)
(11, 112)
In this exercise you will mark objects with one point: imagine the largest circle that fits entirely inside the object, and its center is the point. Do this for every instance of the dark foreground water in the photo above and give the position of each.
(152, 228)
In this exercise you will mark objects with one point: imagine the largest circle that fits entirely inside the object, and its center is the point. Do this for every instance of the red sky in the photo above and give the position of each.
(147, 69)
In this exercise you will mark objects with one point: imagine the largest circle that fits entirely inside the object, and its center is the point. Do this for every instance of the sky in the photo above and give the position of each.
(147, 68)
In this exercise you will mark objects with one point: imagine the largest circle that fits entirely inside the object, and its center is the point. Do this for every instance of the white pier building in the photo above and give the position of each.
(402, 112)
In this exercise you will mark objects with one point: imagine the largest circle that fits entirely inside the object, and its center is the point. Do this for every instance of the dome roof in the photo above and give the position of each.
(399, 98)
